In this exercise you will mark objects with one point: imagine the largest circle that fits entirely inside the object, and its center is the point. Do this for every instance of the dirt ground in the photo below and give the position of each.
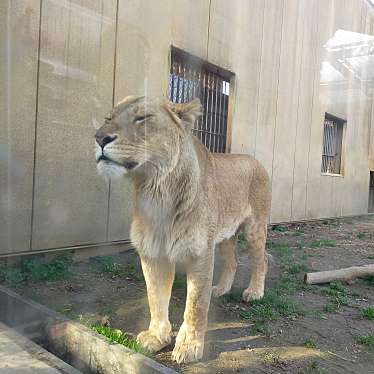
(296, 329)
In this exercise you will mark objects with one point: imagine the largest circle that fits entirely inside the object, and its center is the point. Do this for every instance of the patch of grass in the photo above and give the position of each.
(310, 344)
(313, 368)
(297, 233)
(369, 279)
(281, 249)
(118, 336)
(271, 358)
(272, 306)
(337, 293)
(35, 269)
(279, 228)
(368, 313)
(330, 308)
(180, 282)
(242, 239)
(371, 257)
(367, 340)
(260, 326)
(235, 296)
(361, 235)
(297, 268)
(108, 266)
(323, 243)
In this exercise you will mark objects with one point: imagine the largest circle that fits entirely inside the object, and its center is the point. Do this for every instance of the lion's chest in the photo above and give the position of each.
(155, 233)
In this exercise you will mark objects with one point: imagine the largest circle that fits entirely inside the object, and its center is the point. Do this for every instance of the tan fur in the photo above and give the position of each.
(187, 201)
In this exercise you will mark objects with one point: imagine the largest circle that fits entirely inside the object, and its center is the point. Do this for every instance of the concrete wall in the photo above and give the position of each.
(64, 63)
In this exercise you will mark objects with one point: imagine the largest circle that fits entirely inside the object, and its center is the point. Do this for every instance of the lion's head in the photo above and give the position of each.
(143, 135)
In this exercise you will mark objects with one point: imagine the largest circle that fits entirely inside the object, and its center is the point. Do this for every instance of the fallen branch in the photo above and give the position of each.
(346, 274)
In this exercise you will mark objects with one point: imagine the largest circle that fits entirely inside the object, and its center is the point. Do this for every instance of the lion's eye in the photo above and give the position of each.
(141, 119)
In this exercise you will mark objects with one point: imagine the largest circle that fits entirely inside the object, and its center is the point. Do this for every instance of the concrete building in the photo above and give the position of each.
(287, 63)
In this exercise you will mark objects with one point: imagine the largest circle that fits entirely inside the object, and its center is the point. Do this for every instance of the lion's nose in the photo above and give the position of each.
(103, 138)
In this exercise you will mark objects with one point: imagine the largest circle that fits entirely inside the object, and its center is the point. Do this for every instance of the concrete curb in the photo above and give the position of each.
(74, 343)
(20, 354)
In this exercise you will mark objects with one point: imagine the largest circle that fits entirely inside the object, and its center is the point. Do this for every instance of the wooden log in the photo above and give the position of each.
(345, 274)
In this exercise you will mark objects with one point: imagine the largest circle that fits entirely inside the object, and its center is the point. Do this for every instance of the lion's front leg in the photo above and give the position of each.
(189, 343)
(159, 277)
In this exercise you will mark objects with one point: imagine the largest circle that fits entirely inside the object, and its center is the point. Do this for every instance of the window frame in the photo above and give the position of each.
(177, 54)
(342, 123)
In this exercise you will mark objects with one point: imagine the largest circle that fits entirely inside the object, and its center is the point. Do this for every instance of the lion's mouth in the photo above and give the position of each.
(129, 165)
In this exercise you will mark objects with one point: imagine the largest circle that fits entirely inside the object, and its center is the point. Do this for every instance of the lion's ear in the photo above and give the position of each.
(187, 112)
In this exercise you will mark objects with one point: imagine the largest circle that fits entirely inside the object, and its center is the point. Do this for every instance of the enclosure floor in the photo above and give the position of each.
(323, 339)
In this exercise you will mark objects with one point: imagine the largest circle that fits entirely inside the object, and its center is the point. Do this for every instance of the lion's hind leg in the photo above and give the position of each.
(227, 251)
(255, 233)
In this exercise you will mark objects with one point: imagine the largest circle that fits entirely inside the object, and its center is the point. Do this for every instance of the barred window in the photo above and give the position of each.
(332, 145)
(191, 77)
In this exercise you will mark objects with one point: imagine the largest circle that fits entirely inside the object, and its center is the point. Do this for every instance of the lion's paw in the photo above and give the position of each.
(184, 352)
(218, 291)
(252, 294)
(151, 342)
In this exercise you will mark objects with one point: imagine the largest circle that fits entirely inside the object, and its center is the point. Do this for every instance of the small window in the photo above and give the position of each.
(192, 77)
(332, 145)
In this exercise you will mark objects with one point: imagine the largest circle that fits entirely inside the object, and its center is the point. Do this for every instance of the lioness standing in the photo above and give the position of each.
(187, 200)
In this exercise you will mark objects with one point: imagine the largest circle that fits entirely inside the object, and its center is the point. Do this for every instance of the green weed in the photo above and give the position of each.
(310, 344)
(369, 279)
(261, 327)
(361, 235)
(180, 282)
(330, 308)
(323, 243)
(241, 239)
(271, 358)
(297, 268)
(281, 249)
(271, 307)
(367, 340)
(118, 336)
(235, 296)
(368, 313)
(35, 269)
(337, 293)
(107, 265)
(279, 228)
(313, 368)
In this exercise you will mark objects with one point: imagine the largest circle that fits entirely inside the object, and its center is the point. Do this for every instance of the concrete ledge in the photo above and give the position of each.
(72, 342)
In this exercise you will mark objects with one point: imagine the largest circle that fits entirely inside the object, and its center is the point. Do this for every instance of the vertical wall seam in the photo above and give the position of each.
(297, 115)
(277, 92)
(35, 129)
(316, 74)
(113, 99)
(259, 77)
(208, 33)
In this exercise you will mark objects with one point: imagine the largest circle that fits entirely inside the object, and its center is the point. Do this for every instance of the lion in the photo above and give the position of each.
(187, 200)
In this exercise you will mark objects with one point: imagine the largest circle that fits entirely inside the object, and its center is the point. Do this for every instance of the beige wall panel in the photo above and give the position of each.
(19, 34)
(287, 110)
(268, 86)
(304, 121)
(350, 193)
(75, 86)
(246, 67)
(142, 67)
(190, 22)
(319, 187)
